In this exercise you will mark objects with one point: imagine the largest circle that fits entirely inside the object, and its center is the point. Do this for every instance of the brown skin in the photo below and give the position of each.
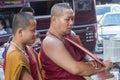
(60, 26)
(22, 38)
(37, 39)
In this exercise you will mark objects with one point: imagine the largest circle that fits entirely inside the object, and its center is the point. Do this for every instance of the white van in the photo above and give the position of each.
(104, 8)
(108, 28)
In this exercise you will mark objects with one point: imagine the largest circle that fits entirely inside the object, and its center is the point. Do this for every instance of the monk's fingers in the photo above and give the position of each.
(95, 64)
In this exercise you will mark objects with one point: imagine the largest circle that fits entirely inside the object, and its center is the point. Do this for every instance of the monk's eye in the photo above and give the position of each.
(67, 19)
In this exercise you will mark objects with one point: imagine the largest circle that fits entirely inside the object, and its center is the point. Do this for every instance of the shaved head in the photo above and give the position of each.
(21, 20)
(57, 9)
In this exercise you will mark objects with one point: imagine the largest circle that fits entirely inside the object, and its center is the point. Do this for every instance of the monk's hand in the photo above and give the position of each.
(108, 64)
(95, 64)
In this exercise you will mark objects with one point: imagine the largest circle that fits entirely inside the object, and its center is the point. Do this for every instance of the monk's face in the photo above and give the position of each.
(30, 33)
(65, 22)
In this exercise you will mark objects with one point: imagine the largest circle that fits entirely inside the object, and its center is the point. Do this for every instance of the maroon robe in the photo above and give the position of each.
(53, 72)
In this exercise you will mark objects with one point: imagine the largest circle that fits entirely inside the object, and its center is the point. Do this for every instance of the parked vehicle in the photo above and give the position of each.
(108, 27)
(85, 18)
(104, 8)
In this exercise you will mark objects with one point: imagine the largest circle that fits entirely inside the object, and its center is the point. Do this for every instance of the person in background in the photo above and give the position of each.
(2, 30)
(28, 10)
(60, 59)
(20, 61)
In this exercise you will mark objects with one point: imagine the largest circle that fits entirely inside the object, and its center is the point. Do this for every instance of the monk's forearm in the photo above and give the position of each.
(87, 69)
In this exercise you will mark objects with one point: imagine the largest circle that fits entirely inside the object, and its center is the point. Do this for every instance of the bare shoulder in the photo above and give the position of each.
(51, 41)
(52, 45)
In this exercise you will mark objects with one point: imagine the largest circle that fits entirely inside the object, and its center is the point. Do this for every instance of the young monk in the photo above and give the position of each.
(21, 60)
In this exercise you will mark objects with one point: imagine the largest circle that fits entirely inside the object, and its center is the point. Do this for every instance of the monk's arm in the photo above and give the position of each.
(61, 56)
(25, 75)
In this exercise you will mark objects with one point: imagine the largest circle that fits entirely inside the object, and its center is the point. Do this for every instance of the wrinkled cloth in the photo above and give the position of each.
(15, 61)
(33, 58)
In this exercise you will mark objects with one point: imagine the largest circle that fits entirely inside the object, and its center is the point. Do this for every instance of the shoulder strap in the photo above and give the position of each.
(85, 50)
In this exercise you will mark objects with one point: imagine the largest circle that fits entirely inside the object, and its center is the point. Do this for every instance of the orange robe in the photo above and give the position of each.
(15, 61)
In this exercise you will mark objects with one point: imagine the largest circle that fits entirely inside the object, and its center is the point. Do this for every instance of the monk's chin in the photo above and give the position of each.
(66, 34)
(31, 43)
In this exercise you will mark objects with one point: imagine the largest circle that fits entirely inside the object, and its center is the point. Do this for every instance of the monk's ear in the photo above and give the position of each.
(19, 31)
(53, 18)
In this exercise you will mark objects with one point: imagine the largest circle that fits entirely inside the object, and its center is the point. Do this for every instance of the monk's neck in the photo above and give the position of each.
(56, 34)
(19, 44)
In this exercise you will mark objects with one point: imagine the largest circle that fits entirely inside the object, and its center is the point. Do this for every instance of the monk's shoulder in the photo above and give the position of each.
(48, 41)
(15, 55)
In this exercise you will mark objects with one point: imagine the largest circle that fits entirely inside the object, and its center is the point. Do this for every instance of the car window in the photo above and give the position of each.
(115, 8)
(111, 19)
(102, 10)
